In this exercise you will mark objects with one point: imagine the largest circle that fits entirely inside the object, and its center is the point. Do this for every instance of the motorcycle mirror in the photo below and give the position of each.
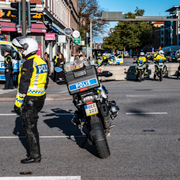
(58, 69)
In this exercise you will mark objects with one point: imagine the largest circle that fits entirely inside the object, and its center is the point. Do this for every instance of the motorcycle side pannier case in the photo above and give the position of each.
(82, 79)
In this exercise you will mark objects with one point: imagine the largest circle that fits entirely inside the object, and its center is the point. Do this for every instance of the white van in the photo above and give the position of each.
(16, 59)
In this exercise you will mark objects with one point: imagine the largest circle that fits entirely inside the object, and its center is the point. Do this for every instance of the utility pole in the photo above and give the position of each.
(87, 41)
(23, 18)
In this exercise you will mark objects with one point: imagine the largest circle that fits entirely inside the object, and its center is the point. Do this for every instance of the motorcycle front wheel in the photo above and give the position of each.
(160, 75)
(140, 75)
(99, 137)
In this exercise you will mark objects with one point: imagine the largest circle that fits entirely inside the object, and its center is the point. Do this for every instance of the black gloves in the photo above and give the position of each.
(17, 109)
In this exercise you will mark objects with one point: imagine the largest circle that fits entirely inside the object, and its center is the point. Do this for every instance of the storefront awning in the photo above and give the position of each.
(35, 28)
(8, 26)
(38, 28)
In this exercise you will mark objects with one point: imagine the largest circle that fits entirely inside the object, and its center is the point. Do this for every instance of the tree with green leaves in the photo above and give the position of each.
(90, 9)
(129, 35)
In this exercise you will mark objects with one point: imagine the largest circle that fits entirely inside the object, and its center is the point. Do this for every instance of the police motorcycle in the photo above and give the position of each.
(160, 69)
(141, 70)
(112, 60)
(94, 112)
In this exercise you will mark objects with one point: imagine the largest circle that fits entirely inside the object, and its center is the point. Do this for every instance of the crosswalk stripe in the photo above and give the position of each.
(146, 113)
(42, 137)
(43, 178)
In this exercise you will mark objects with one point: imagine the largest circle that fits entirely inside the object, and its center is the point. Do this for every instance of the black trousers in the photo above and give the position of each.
(9, 79)
(29, 117)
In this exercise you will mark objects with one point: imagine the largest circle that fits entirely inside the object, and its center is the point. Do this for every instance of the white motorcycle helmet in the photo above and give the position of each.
(142, 54)
(161, 52)
(16, 43)
(29, 45)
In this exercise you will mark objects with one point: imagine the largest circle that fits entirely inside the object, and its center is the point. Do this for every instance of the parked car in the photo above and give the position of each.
(171, 56)
(150, 55)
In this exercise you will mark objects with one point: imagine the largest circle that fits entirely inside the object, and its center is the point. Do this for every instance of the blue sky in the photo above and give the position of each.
(151, 7)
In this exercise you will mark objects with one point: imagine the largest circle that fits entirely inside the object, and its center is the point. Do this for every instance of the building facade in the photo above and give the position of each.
(172, 28)
(52, 16)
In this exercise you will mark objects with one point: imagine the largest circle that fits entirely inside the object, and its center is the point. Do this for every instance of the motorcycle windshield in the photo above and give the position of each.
(140, 61)
(160, 60)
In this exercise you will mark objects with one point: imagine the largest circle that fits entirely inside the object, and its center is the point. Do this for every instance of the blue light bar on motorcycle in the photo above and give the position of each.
(160, 60)
(140, 61)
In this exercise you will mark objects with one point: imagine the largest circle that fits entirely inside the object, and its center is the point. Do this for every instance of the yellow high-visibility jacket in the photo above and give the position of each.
(32, 79)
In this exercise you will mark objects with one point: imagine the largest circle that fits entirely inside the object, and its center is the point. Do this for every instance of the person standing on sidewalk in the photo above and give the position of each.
(46, 59)
(8, 70)
(31, 94)
(60, 63)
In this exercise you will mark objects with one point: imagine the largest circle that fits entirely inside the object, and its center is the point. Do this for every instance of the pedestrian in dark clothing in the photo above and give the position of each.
(55, 64)
(8, 70)
(46, 59)
(60, 63)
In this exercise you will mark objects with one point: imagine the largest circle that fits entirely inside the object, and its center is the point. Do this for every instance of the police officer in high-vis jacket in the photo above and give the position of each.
(31, 94)
(8, 70)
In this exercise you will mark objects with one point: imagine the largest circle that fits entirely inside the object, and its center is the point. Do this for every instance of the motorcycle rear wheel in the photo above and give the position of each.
(99, 138)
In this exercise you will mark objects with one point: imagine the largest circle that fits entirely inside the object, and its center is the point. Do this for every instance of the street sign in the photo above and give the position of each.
(112, 15)
(77, 40)
(76, 34)
(68, 31)
(50, 36)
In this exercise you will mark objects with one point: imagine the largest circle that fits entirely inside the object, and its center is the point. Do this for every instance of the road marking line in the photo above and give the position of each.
(12, 114)
(66, 91)
(147, 113)
(56, 114)
(42, 137)
(43, 178)
(140, 95)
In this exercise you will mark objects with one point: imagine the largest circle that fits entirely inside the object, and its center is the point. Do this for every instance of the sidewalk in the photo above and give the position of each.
(10, 96)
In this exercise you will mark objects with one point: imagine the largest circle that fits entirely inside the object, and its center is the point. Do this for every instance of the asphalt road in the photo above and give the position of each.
(144, 143)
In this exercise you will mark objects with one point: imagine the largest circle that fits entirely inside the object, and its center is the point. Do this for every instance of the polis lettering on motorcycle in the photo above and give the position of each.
(82, 84)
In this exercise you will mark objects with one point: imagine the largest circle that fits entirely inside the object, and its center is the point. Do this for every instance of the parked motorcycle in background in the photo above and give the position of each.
(94, 112)
(160, 69)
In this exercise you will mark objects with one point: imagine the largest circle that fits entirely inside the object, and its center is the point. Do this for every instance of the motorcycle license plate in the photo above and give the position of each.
(160, 64)
(91, 109)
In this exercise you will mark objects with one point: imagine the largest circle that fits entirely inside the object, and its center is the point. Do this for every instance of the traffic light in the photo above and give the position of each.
(16, 14)
(30, 13)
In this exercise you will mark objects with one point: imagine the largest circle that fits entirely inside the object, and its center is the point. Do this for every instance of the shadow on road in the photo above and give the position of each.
(18, 131)
(130, 73)
(63, 122)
